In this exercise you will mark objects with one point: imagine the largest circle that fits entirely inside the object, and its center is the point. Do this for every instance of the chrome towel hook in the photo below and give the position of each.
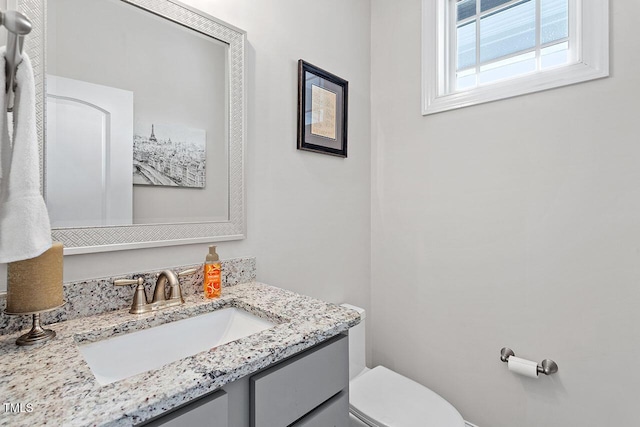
(18, 26)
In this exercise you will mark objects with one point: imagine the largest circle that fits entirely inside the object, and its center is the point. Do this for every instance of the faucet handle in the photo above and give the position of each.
(188, 272)
(176, 290)
(123, 282)
(139, 298)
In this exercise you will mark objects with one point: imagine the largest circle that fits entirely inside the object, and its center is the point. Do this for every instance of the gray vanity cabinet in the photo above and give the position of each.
(333, 413)
(210, 411)
(310, 389)
(290, 390)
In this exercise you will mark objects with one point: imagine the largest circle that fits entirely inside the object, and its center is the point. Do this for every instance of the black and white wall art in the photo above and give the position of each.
(169, 155)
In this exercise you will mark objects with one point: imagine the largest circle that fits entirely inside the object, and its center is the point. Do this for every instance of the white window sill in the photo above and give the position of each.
(535, 82)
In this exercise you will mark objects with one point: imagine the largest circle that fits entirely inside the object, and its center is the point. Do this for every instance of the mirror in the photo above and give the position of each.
(143, 139)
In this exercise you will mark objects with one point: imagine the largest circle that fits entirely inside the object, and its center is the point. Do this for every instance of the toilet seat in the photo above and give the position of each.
(383, 398)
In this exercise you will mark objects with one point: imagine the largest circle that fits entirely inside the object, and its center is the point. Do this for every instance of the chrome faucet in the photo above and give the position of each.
(160, 300)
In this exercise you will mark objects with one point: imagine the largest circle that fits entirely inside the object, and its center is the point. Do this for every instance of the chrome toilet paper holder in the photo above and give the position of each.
(547, 366)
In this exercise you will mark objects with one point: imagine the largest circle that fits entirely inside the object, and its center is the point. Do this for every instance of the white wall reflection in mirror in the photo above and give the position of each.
(118, 74)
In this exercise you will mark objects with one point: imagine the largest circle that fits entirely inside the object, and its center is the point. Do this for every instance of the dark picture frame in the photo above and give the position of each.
(322, 111)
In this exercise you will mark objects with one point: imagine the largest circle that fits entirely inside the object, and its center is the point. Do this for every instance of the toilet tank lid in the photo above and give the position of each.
(361, 311)
(385, 398)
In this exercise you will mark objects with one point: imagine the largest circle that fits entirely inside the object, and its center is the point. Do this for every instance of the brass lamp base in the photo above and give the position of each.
(37, 334)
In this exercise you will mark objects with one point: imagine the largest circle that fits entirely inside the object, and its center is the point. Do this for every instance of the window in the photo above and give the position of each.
(476, 51)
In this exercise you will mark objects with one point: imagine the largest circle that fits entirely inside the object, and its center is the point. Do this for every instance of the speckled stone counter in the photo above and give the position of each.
(56, 387)
(97, 296)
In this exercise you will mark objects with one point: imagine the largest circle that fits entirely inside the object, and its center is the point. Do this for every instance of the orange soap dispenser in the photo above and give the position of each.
(212, 276)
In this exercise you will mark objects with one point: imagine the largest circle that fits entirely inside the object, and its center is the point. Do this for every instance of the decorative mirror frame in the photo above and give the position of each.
(111, 238)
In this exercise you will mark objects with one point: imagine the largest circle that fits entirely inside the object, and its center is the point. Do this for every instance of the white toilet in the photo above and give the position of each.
(379, 397)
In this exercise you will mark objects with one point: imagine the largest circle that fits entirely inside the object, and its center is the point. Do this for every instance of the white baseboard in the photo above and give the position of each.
(468, 424)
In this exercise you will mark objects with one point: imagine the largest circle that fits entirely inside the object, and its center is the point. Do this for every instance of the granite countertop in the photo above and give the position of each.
(55, 385)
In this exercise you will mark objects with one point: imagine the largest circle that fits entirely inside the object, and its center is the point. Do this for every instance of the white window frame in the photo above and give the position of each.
(588, 26)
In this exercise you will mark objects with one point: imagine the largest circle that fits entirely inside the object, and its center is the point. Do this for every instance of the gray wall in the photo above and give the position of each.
(308, 218)
(514, 223)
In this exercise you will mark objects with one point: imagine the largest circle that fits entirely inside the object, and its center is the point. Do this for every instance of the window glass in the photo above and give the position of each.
(466, 79)
(466, 9)
(515, 65)
(490, 4)
(554, 20)
(508, 31)
(555, 55)
(466, 37)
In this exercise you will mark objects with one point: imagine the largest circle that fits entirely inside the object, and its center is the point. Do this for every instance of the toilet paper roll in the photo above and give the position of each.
(524, 367)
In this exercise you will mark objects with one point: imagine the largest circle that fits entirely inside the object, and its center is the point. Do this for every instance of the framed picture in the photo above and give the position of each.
(322, 111)
(169, 155)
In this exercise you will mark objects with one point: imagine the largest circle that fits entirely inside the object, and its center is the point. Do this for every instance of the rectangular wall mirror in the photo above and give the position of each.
(141, 108)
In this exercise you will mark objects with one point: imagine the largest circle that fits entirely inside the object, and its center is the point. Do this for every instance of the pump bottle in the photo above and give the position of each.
(212, 274)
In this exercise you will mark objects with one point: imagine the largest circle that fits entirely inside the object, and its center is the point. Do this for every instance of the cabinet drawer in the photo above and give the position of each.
(209, 411)
(332, 413)
(286, 392)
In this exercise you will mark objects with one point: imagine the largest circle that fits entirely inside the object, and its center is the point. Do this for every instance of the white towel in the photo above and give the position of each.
(25, 231)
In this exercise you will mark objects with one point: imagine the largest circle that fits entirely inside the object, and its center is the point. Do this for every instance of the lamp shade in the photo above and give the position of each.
(35, 285)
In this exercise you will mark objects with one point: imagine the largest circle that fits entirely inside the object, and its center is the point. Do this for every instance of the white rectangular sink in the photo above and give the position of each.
(123, 356)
